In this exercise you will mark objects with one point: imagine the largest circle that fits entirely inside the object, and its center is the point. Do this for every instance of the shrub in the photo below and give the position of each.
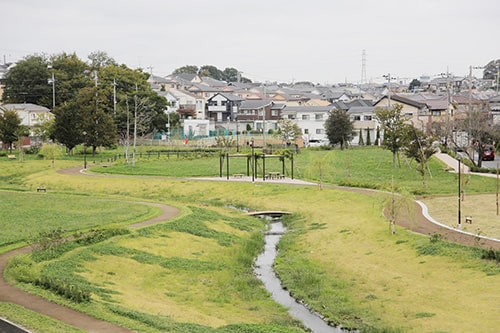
(64, 289)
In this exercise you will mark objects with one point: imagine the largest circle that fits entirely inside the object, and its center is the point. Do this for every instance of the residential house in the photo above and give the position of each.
(188, 105)
(310, 119)
(495, 109)
(417, 113)
(259, 115)
(364, 123)
(223, 107)
(31, 115)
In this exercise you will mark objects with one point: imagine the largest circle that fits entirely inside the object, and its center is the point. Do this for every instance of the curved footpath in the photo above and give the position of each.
(69, 316)
(421, 223)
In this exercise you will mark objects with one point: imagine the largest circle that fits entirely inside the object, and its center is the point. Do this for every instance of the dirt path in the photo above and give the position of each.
(413, 220)
(69, 316)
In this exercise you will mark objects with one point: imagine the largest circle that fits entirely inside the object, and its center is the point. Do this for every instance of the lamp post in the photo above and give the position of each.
(237, 138)
(252, 141)
(84, 150)
(459, 158)
(168, 126)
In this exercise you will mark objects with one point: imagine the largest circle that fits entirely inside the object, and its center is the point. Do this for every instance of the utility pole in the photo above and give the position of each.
(114, 97)
(53, 82)
(389, 78)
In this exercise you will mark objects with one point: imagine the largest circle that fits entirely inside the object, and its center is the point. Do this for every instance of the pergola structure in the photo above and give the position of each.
(252, 160)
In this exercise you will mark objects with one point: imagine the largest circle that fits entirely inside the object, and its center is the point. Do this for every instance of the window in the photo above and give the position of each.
(306, 131)
(356, 118)
(223, 103)
(368, 117)
(274, 113)
(305, 117)
(318, 116)
(319, 131)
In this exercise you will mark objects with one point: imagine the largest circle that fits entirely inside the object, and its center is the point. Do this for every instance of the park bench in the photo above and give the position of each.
(238, 175)
(41, 189)
(11, 157)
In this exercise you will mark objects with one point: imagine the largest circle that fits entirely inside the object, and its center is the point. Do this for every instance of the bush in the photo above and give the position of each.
(491, 255)
(64, 289)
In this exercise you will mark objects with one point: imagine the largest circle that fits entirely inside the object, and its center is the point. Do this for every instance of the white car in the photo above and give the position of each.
(317, 143)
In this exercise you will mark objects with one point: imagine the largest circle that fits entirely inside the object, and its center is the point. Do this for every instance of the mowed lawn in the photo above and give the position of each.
(338, 240)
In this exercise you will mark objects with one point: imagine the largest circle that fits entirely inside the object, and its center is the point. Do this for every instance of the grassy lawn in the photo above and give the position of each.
(338, 255)
(24, 215)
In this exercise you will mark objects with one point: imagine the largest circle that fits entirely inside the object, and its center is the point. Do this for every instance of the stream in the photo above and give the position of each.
(265, 272)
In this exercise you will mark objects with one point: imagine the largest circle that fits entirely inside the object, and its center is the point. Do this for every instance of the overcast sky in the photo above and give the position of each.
(268, 40)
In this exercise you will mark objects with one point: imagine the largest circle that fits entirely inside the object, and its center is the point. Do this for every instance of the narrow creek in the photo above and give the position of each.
(265, 272)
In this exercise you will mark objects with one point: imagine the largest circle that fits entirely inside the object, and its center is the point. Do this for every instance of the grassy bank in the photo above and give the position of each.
(339, 255)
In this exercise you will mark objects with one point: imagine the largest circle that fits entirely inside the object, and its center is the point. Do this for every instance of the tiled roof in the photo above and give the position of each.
(25, 106)
(255, 104)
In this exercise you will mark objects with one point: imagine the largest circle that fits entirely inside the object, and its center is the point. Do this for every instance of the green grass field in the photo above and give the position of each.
(339, 255)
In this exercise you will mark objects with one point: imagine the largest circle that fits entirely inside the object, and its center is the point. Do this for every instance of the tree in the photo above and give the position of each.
(188, 69)
(210, 71)
(230, 75)
(419, 147)
(394, 129)
(361, 142)
(413, 84)
(368, 139)
(377, 137)
(339, 128)
(288, 131)
(478, 125)
(491, 69)
(96, 122)
(26, 82)
(71, 74)
(100, 59)
(10, 127)
(68, 125)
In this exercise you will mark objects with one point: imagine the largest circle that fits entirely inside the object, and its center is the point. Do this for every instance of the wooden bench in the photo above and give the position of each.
(41, 189)
(11, 157)
(238, 175)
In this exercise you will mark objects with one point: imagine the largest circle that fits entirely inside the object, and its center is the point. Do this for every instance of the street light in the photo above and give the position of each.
(252, 141)
(84, 150)
(459, 158)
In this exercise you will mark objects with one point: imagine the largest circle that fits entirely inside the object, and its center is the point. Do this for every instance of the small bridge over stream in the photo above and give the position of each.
(270, 213)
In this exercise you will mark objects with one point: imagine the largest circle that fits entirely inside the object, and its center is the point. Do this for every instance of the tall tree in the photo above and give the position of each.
(26, 82)
(368, 138)
(10, 127)
(96, 122)
(339, 128)
(68, 125)
(361, 142)
(394, 129)
(70, 74)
